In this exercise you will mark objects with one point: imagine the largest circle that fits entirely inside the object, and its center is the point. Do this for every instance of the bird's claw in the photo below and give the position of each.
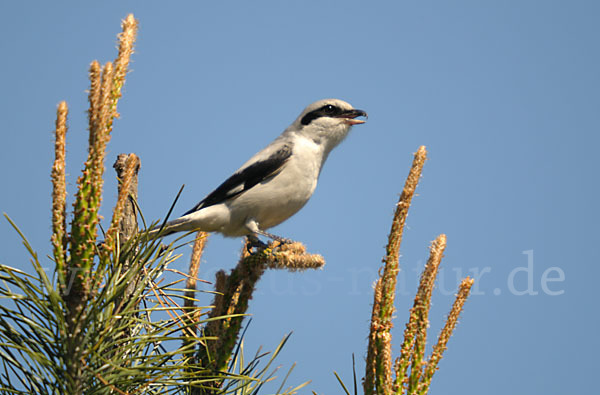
(254, 242)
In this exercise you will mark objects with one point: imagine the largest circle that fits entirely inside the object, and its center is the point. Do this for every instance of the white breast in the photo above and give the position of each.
(282, 195)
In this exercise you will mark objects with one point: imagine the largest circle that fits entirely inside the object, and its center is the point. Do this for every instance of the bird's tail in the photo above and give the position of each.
(182, 224)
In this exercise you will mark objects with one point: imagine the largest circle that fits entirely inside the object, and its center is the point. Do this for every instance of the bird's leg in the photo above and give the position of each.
(271, 236)
(252, 226)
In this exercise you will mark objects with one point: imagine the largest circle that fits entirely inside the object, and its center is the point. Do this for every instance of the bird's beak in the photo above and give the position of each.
(351, 115)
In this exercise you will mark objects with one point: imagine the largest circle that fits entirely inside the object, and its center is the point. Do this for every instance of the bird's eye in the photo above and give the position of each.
(329, 109)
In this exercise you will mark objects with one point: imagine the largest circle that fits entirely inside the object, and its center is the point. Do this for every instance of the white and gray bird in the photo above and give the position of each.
(277, 181)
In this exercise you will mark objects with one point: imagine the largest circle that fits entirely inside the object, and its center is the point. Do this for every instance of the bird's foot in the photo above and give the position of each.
(254, 242)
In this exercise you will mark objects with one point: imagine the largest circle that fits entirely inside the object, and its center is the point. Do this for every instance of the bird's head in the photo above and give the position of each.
(328, 121)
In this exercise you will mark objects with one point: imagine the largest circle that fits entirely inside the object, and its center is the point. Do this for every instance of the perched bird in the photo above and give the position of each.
(277, 181)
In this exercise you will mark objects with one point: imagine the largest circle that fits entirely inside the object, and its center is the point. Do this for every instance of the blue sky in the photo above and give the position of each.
(504, 94)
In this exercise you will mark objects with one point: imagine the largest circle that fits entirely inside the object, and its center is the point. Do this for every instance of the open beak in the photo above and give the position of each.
(351, 115)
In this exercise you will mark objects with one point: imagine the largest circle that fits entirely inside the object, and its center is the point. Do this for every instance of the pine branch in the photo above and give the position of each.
(379, 354)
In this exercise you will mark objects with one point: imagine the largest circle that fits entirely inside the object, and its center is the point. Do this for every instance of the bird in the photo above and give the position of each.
(276, 182)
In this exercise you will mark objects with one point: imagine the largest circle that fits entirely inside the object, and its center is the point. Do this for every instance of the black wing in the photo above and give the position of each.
(247, 178)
